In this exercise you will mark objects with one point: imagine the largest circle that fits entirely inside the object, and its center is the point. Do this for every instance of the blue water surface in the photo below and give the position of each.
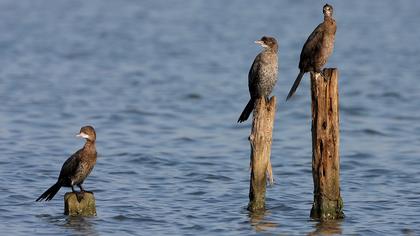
(163, 83)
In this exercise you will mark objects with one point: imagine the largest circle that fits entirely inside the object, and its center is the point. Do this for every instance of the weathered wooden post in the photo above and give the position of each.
(260, 140)
(79, 204)
(325, 146)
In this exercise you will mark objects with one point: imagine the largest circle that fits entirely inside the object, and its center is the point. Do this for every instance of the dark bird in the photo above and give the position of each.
(77, 167)
(317, 48)
(263, 74)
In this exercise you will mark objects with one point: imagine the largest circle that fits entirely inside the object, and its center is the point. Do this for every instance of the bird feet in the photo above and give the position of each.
(79, 195)
(317, 74)
(322, 73)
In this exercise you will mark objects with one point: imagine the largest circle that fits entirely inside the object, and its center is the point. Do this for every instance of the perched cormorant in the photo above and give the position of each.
(317, 49)
(77, 167)
(262, 75)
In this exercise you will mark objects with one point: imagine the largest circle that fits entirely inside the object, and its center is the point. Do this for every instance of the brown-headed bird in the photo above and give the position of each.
(77, 167)
(262, 76)
(317, 48)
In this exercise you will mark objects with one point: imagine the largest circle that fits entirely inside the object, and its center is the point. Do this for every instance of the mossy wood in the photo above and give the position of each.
(325, 146)
(79, 204)
(260, 140)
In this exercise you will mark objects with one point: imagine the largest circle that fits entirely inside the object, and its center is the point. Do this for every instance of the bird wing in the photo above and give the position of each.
(70, 165)
(253, 74)
(312, 46)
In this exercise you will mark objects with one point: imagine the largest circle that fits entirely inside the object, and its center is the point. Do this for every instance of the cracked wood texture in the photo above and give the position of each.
(260, 140)
(325, 146)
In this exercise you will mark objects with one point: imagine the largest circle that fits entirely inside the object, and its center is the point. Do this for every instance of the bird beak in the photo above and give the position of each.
(260, 43)
(82, 135)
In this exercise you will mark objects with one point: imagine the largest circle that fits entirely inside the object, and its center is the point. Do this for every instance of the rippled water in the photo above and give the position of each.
(163, 82)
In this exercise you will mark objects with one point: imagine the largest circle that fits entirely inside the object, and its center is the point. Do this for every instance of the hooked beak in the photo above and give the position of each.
(260, 43)
(82, 135)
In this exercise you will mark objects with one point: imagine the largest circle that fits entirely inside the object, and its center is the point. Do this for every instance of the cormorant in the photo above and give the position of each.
(77, 167)
(317, 48)
(262, 75)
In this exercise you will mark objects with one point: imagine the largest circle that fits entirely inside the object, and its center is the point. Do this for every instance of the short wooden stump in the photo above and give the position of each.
(82, 205)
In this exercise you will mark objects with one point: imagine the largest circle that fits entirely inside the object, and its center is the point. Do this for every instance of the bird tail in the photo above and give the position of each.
(247, 111)
(295, 84)
(50, 193)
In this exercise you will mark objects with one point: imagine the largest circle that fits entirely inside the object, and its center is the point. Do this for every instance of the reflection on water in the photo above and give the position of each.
(331, 227)
(258, 221)
(82, 225)
(79, 225)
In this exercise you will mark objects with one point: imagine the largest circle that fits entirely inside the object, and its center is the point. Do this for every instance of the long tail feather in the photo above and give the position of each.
(50, 193)
(247, 111)
(295, 85)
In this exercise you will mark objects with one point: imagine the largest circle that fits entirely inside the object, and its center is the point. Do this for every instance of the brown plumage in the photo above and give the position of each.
(77, 167)
(262, 76)
(317, 48)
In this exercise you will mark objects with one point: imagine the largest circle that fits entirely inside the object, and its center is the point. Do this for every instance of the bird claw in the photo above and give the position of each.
(80, 195)
(324, 76)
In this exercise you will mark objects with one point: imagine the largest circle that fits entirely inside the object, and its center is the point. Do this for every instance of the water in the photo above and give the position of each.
(163, 82)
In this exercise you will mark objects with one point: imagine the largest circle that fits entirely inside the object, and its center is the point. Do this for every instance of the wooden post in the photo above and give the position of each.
(260, 140)
(325, 146)
(83, 205)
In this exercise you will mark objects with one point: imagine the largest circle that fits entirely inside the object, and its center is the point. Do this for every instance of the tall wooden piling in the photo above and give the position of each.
(260, 140)
(325, 146)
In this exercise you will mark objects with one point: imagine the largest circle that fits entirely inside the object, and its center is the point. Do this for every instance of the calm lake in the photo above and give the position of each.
(163, 83)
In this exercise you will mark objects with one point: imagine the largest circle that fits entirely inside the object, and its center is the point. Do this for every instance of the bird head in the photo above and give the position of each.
(87, 132)
(328, 10)
(267, 42)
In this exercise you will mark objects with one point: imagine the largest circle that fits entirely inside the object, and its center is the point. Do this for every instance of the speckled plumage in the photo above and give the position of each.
(262, 76)
(77, 167)
(317, 48)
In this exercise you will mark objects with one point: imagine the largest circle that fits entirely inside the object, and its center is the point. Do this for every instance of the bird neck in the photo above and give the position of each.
(90, 145)
(329, 25)
(328, 18)
(271, 50)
